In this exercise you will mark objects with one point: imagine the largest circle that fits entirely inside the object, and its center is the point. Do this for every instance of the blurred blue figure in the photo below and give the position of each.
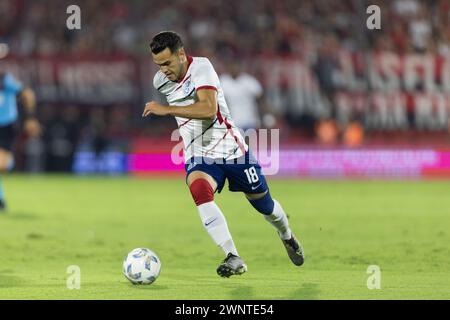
(10, 90)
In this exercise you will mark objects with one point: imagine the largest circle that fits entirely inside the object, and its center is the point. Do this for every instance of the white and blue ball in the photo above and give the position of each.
(141, 266)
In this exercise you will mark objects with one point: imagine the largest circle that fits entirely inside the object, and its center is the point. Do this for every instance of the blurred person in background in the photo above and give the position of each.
(327, 132)
(61, 137)
(10, 89)
(320, 37)
(353, 135)
(242, 93)
(327, 67)
(95, 132)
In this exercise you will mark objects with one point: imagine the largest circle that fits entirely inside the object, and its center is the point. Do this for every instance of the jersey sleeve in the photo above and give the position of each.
(11, 84)
(204, 76)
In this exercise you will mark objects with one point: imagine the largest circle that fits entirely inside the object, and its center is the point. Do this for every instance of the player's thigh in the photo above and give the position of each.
(197, 174)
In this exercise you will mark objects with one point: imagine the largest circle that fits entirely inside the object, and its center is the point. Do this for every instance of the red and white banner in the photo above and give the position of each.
(386, 90)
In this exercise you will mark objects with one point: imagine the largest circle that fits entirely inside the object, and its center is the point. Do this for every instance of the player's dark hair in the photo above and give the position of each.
(166, 39)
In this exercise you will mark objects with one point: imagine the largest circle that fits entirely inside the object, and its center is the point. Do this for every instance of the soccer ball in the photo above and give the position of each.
(141, 266)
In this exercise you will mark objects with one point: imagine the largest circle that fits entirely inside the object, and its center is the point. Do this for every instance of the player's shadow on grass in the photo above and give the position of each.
(308, 291)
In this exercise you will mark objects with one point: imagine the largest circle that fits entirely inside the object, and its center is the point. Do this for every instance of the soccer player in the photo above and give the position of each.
(10, 89)
(214, 149)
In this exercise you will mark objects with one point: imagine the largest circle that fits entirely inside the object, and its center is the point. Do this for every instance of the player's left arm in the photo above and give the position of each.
(204, 108)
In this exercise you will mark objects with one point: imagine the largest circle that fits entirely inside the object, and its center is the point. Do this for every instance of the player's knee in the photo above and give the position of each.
(201, 191)
(264, 204)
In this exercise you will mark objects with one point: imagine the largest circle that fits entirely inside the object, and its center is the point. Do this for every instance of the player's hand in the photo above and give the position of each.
(153, 107)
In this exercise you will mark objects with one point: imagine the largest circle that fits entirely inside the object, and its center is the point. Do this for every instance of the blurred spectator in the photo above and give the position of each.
(327, 132)
(34, 150)
(93, 136)
(326, 67)
(420, 30)
(273, 28)
(406, 8)
(304, 82)
(122, 27)
(353, 135)
(61, 138)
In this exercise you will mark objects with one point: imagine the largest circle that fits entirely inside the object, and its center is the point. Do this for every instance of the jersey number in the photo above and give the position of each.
(252, 176)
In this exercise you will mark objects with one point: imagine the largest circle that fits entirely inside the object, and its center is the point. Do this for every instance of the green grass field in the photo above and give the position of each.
(57, 221)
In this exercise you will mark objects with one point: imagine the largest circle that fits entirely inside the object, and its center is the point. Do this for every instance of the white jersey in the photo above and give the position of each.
(217, 138)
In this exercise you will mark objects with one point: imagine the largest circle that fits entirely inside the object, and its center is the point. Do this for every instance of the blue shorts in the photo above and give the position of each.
(244, 174)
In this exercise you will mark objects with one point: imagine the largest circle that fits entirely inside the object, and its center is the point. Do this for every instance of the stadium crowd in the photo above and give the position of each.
(313, 30)
(211, 26)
